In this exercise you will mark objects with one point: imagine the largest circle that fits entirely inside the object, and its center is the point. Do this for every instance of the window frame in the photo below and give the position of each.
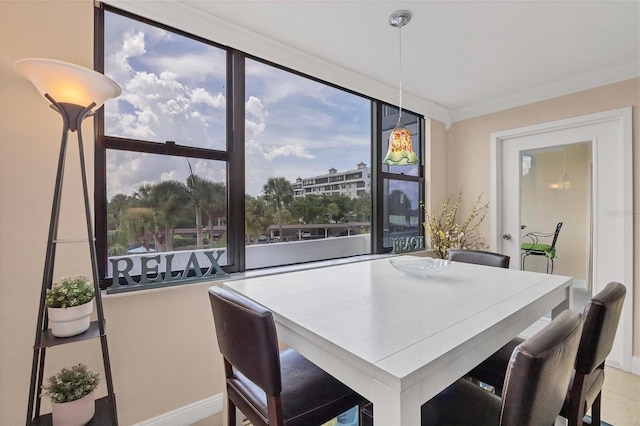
(234, 155)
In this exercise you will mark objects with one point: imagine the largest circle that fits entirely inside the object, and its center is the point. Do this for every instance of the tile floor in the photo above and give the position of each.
(620, 400)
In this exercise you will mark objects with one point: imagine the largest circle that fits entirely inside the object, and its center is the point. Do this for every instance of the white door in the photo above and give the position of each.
(610, 136)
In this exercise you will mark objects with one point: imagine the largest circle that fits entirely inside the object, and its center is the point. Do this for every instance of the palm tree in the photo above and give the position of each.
(279, 193)
(258, 217)
(168, 199)
(197, 190)
(214, 205)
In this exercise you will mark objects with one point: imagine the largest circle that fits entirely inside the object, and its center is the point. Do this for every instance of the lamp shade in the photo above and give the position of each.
(400, 151)
(68, 83)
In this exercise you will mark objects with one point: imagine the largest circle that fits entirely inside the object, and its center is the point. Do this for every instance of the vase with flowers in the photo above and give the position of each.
(71, 393)
(69, 305)
(445, 232)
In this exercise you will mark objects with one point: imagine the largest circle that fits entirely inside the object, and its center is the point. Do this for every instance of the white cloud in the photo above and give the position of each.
(258, 169)
(253, 129)
(289, 151)
(198, 67)
(254, 118)
(201, 96)
(255, 108)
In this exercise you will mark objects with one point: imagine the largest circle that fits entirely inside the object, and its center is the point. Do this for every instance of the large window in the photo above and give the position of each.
(165, 160)
(212, 160)
(299, 136)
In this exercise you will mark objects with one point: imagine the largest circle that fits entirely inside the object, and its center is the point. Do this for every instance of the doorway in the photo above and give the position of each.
(611, 204)
(555, 186)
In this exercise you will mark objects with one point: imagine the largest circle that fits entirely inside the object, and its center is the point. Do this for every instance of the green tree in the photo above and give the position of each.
(168, 200)
(137, 223)
(258, 217)
(338, 208)
(117, 235)
(309, 209)
(214, 205)
(362, 207)
(197, 190)
(279, 193)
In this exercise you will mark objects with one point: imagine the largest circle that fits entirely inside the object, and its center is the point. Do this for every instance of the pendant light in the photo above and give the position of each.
(563, 182)
(400, 151)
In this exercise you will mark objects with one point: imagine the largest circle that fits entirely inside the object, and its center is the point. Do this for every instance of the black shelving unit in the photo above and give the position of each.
(102, 417)
(106, 413)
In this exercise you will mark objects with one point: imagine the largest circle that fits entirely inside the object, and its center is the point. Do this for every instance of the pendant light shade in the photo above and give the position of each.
(400, 151)
(400, 148)
(69, 83)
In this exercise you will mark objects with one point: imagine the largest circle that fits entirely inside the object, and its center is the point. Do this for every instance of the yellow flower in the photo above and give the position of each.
(445, 232)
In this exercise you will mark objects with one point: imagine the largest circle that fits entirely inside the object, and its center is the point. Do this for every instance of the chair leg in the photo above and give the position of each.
(576, 410)
(595, 410)
(231, 413)
(522, 261)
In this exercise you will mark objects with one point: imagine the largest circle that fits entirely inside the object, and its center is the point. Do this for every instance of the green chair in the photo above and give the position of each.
(535, 248)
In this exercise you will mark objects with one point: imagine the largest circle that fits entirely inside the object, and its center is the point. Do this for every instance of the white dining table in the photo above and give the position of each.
(400, 340)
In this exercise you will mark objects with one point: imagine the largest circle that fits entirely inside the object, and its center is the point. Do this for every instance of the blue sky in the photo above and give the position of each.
(174, 89)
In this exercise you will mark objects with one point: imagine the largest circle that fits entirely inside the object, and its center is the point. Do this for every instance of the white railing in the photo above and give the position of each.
(257, 255)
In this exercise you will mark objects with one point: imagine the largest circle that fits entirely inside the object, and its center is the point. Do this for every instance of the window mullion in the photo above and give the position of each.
(236, 165)
(377, 179)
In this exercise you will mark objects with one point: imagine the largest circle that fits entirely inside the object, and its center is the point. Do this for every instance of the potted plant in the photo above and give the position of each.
(69, 306)
(71, 393)
(445, 232)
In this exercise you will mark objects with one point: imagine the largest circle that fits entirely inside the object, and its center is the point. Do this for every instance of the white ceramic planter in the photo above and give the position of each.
(67, 322)
(74, 413)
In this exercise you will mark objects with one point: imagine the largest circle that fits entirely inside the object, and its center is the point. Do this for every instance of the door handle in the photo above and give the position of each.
(506, 237)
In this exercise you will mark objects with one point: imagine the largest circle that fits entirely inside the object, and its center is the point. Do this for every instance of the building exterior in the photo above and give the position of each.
(351, 183)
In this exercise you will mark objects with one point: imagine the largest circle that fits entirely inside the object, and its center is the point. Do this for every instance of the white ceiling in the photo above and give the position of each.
(461, 58)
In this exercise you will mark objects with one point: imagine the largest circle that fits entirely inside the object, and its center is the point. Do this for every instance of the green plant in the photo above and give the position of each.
(446, 233)
(70, 292)
(71, 384)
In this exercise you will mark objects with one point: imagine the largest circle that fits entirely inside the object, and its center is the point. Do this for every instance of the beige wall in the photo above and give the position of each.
(161, 343)
(435, 164)
(468, 150)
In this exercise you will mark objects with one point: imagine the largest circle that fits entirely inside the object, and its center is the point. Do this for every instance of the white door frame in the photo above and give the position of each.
(611, 136)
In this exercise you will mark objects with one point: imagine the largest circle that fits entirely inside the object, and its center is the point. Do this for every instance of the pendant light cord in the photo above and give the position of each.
(400, 61)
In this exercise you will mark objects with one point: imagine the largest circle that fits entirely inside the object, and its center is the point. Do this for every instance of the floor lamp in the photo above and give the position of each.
(74, 92)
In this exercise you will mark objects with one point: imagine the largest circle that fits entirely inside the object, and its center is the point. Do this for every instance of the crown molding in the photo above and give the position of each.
(566, 87)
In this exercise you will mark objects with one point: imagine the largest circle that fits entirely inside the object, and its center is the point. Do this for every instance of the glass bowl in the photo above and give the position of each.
(419, 267)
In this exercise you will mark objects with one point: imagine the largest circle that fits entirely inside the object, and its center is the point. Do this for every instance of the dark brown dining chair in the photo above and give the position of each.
(479, 257)
(268, 386)
(601, 317)
(537, 378)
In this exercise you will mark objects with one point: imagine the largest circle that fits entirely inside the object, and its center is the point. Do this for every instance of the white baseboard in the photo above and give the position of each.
(188, 414)
(635, 365)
